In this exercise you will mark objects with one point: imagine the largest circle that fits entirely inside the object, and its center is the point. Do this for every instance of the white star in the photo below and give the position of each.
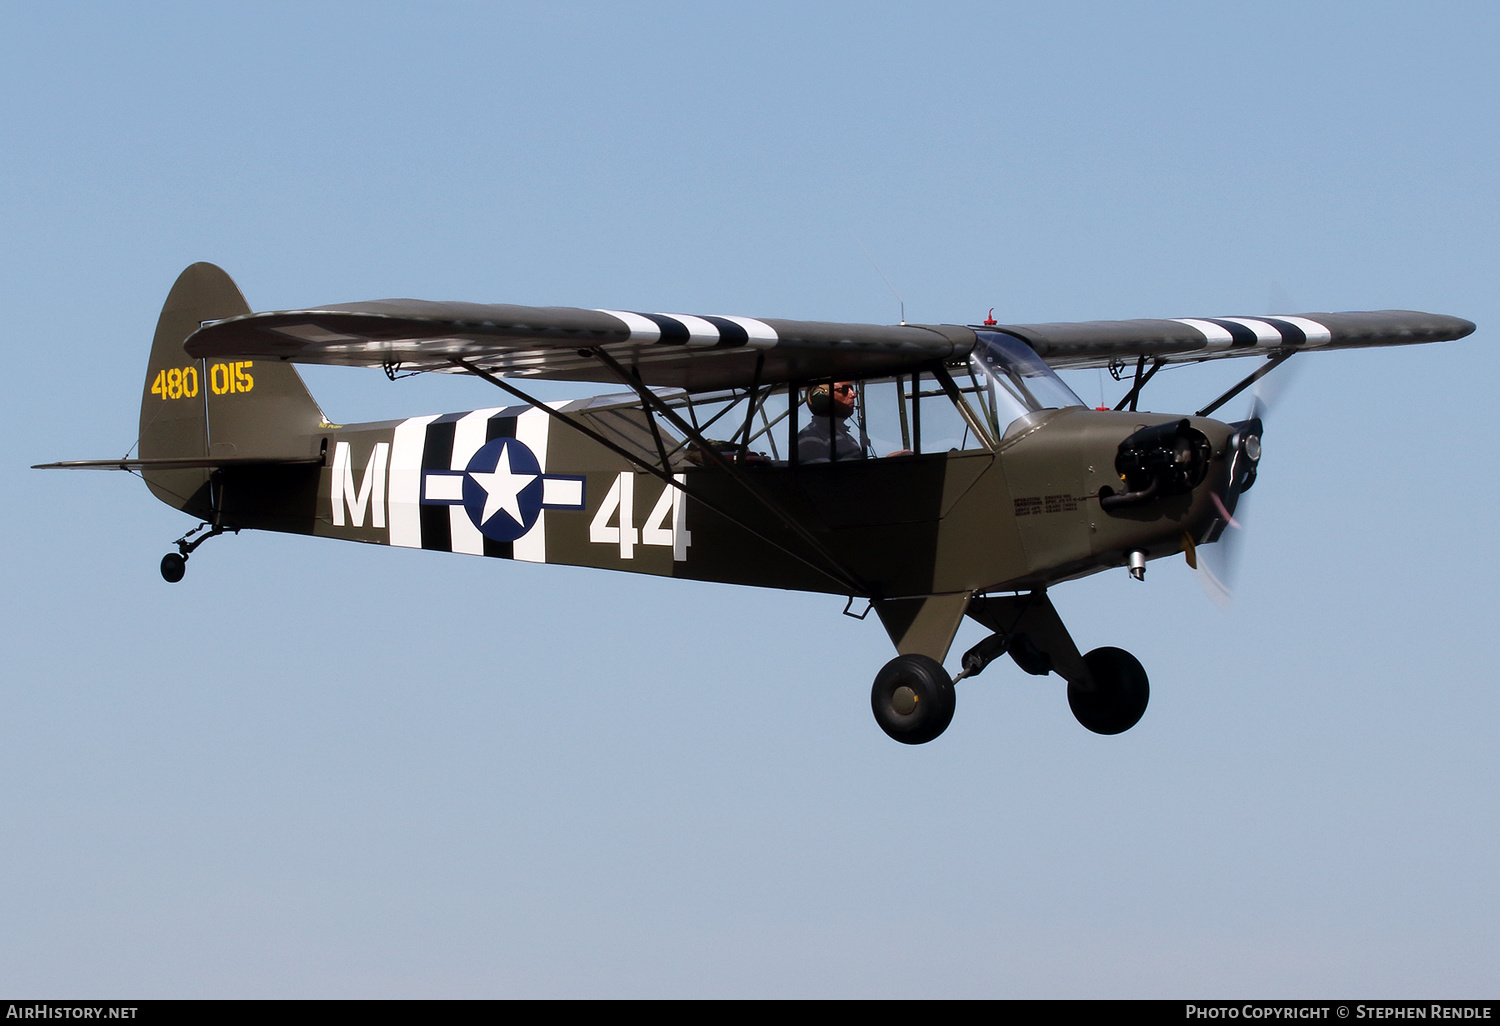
(502, 489)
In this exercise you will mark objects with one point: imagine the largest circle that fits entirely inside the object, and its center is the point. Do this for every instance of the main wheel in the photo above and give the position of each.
(913, 699)
(1118, 698)
(173, 566)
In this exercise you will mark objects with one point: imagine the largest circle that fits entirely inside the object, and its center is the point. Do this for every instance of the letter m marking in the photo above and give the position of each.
(371, 491)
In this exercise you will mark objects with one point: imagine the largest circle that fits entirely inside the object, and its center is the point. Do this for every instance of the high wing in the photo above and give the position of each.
(695, 353)
(709, 352)
(1187, 339)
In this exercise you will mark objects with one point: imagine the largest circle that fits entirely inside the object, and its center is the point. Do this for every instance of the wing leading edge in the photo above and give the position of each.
(698, 352)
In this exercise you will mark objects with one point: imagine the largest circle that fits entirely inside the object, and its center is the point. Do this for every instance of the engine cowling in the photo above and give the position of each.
(1157, 462)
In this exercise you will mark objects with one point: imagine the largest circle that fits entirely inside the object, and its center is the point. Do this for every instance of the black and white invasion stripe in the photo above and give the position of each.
(697, 332)
(1224, 333)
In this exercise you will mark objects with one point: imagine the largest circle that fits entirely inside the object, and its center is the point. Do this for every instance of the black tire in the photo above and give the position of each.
(913, 699)
(1119, 696)
(173, 566)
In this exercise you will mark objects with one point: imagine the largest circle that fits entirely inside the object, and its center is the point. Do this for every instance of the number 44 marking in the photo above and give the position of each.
(619, 505)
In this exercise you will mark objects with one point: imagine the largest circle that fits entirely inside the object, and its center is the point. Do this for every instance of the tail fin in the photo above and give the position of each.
(215, 409)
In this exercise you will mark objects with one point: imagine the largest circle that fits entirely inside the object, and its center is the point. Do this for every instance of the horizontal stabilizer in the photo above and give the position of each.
(178, 463)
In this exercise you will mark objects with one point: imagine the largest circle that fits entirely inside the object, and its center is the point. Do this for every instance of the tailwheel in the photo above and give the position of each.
(173, 566)
(913, 699)
(1118, 698)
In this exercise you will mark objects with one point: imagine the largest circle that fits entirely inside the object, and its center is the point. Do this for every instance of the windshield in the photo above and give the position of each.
(1013, 381)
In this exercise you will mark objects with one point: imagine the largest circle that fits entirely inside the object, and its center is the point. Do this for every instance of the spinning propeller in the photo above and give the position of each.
(1218, 564)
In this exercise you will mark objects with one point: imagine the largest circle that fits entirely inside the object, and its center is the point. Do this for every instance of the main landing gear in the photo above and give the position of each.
(174, 564)
(913, 696)
(1117, 700)
(913, 699)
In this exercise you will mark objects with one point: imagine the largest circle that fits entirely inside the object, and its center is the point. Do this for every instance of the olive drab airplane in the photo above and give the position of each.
(929, 472)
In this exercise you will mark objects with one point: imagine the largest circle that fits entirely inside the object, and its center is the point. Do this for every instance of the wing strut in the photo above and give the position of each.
(1272, 362)
(653, 401)
(1134, 395)
(838, 575)
(752, 401)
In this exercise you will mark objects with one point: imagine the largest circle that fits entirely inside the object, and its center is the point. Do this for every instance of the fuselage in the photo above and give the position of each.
(517, 483)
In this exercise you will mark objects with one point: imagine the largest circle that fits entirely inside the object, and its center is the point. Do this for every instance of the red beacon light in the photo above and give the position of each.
(990, 322)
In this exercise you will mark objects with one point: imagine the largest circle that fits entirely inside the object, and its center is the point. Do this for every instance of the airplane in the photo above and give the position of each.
(934, 471)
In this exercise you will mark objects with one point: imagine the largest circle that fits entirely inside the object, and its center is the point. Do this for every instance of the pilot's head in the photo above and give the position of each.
(844, 395)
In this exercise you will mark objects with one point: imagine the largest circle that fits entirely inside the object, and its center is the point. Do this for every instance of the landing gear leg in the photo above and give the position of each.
(174, 564)
(978, 657)
(1107, 689)
(1119, 694)
(913, 699)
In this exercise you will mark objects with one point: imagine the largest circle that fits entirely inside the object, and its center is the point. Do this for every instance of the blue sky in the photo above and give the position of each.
(315, 769)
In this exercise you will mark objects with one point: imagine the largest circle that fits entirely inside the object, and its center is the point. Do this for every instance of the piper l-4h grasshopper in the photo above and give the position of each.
(935, 471)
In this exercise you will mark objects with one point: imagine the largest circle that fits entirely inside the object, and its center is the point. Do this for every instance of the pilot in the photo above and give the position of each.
(829, 422)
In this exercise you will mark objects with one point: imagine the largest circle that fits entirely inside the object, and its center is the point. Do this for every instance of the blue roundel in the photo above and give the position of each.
(503, 489)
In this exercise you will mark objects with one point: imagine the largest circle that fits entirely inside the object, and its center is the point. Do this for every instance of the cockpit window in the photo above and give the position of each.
(937, 409)
(1012, 381)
